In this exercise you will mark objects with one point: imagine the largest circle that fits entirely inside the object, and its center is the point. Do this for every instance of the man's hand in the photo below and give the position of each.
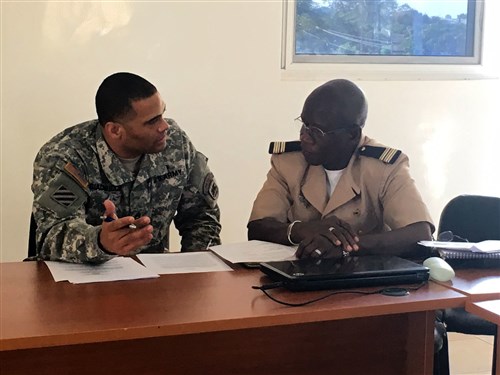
(325, 238)
(341, 231)
(117, 237)
(318, 246)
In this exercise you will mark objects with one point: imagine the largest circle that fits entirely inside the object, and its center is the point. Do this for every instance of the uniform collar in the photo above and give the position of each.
(314, 186)
(117, 174)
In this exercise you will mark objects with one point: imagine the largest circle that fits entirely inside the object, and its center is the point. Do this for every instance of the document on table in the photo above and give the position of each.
(201, 261)
(488, 246)
(254, 252)
(118, 268)
(465, 246)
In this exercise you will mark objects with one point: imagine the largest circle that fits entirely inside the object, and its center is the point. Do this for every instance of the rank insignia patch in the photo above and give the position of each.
(281, 147)
(386, 154)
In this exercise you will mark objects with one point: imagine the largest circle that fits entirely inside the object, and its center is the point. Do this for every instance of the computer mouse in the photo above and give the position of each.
(439, 270)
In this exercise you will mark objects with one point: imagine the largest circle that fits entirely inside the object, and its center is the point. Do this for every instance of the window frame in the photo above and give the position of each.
(306, 67)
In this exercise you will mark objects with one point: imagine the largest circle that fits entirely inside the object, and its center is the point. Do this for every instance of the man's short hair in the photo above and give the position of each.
(116, 93)
(341, 98)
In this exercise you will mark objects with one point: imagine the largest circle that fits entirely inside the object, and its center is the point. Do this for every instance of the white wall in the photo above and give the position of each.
(217, 66)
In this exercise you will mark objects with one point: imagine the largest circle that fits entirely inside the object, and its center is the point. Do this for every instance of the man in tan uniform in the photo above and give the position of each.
(338, 191)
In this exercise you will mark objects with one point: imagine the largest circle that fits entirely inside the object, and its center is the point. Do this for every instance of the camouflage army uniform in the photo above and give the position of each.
(76, 171)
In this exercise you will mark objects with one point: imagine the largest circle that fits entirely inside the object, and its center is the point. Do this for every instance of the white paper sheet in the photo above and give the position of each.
(488, 246)
(466, 246)
(254, 251)
(200, 261)
(118, 268)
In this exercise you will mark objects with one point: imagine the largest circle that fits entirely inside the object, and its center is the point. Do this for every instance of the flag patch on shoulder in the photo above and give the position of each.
(76, 175)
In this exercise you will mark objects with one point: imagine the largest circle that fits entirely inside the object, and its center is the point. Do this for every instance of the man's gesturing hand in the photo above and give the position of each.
(117, 237)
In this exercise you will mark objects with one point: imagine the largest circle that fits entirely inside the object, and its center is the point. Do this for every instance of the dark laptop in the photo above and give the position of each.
(348, 272)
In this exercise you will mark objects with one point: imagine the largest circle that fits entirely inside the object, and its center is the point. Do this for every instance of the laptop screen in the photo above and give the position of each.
(346, 272)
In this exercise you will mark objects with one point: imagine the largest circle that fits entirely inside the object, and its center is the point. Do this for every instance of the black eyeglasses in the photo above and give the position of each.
(315, 132)
(448, 236)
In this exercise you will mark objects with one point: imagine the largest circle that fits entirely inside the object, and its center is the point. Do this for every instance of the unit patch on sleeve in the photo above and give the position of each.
(63, 196)
(210, 186)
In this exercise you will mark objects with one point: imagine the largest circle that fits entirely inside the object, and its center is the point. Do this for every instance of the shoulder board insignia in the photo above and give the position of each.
(385, 154)
(76, 175)
(281, 147)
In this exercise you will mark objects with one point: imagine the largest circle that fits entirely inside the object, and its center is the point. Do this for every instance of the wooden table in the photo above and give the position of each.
(477, 284)
(489, 310)
(208, 323)
(480, 284)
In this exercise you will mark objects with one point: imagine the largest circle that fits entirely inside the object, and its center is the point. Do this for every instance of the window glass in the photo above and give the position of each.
(388, 31)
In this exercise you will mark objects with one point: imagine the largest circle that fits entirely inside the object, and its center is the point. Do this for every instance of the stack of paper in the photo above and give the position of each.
(254, 252)
(202, 261)
(115, 269)
(489, 246)
(121, 268)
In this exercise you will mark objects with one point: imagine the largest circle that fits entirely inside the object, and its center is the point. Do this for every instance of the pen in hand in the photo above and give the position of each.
(110, 218)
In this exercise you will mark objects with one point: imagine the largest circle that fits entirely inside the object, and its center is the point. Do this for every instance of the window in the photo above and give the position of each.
(390, 39)
(388, 31)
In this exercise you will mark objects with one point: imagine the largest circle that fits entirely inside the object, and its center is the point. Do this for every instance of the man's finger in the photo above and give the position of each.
(124, 223)
(141, 222)
(109, 210)
(347, 229)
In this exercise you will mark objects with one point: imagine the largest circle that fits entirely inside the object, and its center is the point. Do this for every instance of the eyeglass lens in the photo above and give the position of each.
(312, 131)
(448, 236)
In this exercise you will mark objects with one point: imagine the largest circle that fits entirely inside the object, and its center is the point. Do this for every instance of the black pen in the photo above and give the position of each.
(110, 218)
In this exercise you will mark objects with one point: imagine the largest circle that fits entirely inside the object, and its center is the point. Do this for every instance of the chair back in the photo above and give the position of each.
(32, 237)
(474, 217)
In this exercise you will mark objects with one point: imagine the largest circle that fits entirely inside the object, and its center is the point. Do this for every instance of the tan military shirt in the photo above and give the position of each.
(372, 195)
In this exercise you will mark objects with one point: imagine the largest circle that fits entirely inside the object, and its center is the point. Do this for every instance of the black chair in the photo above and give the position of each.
(475, 218)
(32, 238)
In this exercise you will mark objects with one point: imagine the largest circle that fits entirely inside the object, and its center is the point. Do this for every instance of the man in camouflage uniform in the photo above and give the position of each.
(133, 168)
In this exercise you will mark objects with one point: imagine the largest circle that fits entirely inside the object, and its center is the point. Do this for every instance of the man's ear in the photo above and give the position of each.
(113, 130)
(355, 133)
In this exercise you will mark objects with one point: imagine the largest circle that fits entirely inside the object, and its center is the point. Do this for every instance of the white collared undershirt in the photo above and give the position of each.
(332, 179)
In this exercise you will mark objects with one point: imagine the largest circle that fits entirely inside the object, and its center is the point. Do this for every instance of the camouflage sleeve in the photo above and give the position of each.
(60, 193)
(198, 214)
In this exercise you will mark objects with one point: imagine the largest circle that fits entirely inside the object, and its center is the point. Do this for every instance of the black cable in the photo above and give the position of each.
(264, 288)
(418, 286)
